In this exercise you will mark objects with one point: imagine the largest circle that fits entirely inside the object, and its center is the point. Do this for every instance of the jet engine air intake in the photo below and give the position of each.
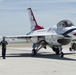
(64, 41)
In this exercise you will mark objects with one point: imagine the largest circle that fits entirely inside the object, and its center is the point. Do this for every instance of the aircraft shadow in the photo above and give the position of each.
(42, 55)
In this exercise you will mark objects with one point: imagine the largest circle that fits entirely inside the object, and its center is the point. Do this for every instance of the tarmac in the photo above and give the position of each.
(20, 62)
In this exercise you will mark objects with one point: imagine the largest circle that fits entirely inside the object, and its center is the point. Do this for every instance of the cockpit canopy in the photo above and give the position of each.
(64, 23)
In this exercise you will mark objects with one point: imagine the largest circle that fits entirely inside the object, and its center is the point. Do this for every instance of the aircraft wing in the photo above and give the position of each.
(27, 36)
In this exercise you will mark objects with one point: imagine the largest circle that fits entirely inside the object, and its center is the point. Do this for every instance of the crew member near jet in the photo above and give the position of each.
(3, 43)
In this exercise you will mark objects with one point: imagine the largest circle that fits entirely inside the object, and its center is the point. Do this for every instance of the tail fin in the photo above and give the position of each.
(34, 25)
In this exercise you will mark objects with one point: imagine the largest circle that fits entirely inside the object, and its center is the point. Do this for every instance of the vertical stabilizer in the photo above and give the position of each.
(34, 25)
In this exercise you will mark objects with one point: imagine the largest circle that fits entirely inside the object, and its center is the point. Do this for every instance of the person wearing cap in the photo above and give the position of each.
(3, 43)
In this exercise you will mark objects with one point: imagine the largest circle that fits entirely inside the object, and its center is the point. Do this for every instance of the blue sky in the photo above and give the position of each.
(14, 18)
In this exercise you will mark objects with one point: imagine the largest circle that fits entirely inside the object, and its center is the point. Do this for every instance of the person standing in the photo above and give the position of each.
(3, 43)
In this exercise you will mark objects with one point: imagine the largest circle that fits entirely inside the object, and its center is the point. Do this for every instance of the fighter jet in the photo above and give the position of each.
(54, 37)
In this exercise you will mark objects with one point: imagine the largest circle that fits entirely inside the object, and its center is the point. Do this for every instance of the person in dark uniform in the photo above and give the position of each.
(3, 43)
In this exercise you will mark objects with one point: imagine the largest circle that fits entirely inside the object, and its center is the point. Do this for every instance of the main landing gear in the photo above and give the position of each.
(37, 47)
(58, 51)
(34, 52)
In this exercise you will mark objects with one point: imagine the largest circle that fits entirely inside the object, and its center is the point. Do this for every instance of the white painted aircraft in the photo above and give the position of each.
(54, 37)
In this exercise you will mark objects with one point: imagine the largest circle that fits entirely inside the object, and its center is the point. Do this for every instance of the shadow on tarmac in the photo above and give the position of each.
(44, 55)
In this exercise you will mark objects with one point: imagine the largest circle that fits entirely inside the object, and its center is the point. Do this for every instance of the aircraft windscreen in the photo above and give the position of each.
(65, 23)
